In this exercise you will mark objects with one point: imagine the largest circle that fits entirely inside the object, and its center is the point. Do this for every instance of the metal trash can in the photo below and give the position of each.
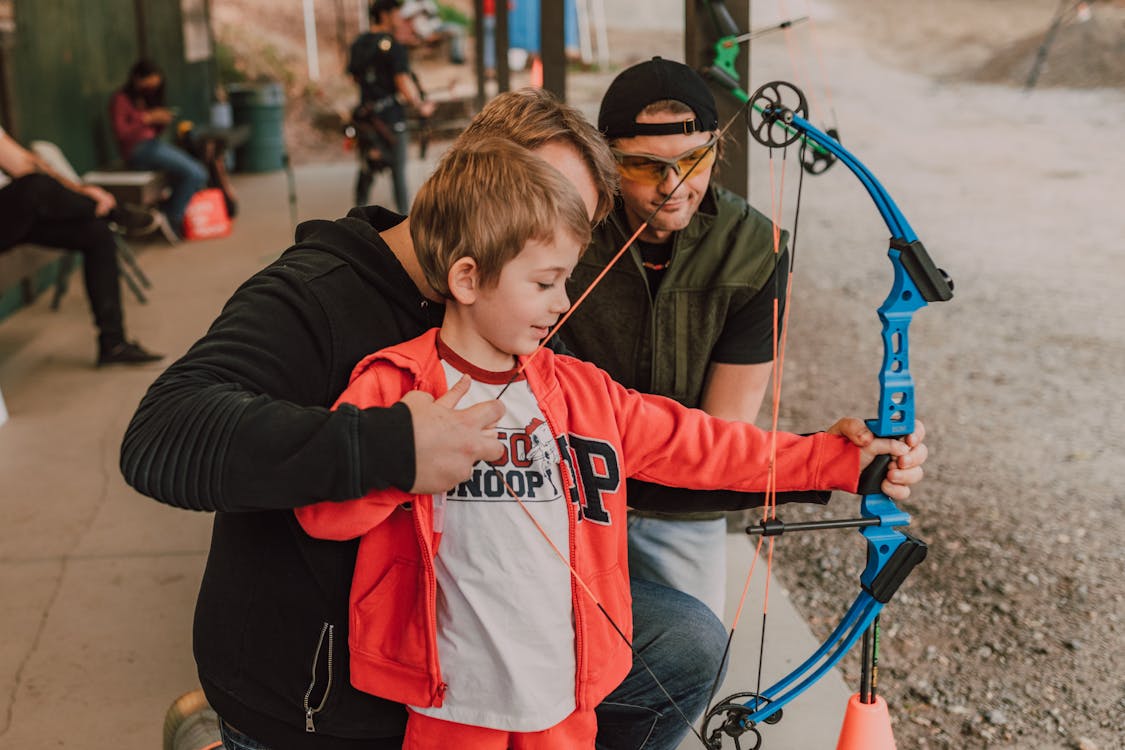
(262, 107)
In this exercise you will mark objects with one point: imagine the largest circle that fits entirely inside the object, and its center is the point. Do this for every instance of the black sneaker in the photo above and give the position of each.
(133, 221)
(127, 353)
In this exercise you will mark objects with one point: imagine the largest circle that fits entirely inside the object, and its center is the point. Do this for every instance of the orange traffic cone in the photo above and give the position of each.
(536, 72)
(867, 726)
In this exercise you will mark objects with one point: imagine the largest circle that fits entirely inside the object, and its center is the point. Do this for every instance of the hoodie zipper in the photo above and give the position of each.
(328, 630)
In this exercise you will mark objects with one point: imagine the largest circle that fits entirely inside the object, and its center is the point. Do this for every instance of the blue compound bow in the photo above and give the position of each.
(776, 115)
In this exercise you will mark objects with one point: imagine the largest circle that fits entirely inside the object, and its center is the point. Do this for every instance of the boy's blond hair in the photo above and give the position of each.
(532, 118)
(487, 199)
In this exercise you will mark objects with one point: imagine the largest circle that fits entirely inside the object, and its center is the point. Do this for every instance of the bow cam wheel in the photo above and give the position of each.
(729, 717)
(771, 110)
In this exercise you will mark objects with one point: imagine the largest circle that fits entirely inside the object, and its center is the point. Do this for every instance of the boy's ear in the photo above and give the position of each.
(464, 281)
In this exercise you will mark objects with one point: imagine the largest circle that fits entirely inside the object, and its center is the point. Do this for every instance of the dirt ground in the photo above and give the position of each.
(1010, 635)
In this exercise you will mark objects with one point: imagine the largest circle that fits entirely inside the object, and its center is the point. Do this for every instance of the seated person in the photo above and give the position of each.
(139, 117)
(37, 205)
(465, 605)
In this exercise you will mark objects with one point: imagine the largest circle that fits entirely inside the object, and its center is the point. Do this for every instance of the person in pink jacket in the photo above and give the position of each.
(492, 610)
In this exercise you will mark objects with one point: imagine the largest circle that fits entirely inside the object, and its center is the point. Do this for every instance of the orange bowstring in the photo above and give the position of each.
(780, 329)
(597, 279)
(796, 60)
(575, 577)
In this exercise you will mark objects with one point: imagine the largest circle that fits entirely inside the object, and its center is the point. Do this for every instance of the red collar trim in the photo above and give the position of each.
(489, 377)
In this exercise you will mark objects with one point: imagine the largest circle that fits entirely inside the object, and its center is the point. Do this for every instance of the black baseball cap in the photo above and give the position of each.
(652, 81)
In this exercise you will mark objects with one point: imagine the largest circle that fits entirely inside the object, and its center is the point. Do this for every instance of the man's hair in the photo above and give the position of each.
(487, 198)
(377, 8)
(533, 117)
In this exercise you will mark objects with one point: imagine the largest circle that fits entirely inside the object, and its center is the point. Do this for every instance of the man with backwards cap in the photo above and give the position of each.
(691, 302)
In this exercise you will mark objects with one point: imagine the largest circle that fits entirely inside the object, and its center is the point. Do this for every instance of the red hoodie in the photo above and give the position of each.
(606, 433)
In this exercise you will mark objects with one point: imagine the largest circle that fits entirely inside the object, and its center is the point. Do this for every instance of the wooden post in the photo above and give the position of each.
(503, 70)
(478, 56)
(699, 39)
(552, 46)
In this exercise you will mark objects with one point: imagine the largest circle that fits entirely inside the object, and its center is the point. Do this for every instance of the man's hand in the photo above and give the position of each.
(104, 200)
(159, 116)
(448, 441)
(910, 453)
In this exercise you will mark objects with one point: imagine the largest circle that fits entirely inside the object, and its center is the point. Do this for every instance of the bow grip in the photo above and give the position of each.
(871, 478)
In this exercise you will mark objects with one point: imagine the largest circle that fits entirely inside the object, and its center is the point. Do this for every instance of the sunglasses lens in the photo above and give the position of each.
(653, 171)
(641, 169)
(705, 156)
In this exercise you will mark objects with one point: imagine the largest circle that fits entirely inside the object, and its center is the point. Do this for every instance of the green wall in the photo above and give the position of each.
(68, 57)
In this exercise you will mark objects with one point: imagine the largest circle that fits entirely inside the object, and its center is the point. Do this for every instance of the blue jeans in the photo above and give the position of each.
(687, 555)
(682, 642)
(186, 175)
(397, 153)
(679, 639)
(236, 740)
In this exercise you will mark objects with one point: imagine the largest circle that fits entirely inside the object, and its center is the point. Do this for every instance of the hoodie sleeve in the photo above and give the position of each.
(376, 383)
(666, 443)
(241, 421)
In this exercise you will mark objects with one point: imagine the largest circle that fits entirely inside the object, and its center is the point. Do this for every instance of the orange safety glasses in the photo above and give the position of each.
(651, 169)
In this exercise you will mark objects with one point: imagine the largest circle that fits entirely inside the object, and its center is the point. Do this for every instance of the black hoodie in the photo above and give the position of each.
(234, 427)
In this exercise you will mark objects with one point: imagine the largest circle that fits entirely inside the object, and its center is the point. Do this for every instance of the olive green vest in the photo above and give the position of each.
(663, 344)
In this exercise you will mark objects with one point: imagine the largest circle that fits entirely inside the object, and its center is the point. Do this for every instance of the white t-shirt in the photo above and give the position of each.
(505, 619)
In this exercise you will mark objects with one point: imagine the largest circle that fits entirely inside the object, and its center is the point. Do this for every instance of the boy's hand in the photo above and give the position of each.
(448, 441)
(910, 453)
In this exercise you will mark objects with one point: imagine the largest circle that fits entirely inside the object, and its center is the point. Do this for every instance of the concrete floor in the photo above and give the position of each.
(97, 582)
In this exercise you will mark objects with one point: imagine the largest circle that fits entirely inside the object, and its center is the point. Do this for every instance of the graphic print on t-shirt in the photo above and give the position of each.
(528, 469)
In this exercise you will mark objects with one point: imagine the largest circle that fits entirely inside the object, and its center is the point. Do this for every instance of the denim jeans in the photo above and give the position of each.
(398, 155)
(688, 555)
(37, 208)
(236, 740)
(186, 175)
(680, 641)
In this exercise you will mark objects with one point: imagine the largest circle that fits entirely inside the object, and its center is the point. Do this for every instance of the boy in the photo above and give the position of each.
(459, 607)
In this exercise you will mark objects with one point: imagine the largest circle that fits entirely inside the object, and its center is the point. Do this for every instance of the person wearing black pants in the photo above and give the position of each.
(39, 208)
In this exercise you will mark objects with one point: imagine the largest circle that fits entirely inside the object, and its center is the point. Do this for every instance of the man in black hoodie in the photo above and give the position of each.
(241, 426)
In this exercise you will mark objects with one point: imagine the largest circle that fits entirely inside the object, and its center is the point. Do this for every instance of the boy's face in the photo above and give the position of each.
(514, 315)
